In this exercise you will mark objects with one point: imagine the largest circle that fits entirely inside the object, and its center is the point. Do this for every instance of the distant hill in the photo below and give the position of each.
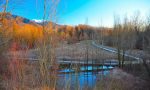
(31, 30)
(21, 28)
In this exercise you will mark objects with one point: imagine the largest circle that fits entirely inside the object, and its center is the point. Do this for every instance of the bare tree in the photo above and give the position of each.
(117, 41)
(146, 45)
(46, 47)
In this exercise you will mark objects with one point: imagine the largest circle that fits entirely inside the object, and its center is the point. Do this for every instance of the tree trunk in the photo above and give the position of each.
(146, 67)
(123, 58)
(119, 58)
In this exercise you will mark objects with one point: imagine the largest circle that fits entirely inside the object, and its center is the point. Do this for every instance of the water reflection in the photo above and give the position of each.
(86, 68)
(81, 80)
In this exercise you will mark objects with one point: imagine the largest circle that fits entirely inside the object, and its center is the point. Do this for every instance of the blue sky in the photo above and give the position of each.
(74, 12)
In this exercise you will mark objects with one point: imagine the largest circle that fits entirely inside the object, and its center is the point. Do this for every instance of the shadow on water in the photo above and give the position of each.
(86, 77)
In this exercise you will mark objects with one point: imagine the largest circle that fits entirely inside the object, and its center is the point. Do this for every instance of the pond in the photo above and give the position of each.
(68, 79)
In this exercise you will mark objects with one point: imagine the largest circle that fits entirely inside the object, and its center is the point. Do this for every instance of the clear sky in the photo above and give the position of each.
(75, 12)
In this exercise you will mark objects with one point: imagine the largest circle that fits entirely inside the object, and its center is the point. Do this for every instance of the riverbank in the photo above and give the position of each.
(119, 79)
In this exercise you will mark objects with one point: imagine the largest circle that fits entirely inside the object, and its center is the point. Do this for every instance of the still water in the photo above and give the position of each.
(68, 79)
